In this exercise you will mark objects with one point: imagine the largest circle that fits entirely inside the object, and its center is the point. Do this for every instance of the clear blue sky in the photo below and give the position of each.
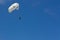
(40, 20)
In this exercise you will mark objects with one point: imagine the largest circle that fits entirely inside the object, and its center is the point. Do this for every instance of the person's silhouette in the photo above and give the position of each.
(20, 18)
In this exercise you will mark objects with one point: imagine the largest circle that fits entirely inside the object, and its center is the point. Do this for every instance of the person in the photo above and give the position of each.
(19, 17)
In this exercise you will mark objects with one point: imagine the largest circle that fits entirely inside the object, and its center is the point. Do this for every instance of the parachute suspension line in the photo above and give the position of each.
(21, 9)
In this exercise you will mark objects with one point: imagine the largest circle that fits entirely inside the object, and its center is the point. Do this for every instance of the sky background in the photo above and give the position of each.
(40, 20)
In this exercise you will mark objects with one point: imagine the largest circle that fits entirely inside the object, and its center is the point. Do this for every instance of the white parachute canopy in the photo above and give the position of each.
(14, 6)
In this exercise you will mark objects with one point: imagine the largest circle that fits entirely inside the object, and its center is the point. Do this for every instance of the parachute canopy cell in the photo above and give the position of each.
(14, 6)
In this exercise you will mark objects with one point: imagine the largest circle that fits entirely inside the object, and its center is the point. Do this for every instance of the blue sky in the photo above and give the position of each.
(40, 20)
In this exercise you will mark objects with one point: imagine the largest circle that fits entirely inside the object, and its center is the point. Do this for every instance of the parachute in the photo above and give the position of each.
(14, 6)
